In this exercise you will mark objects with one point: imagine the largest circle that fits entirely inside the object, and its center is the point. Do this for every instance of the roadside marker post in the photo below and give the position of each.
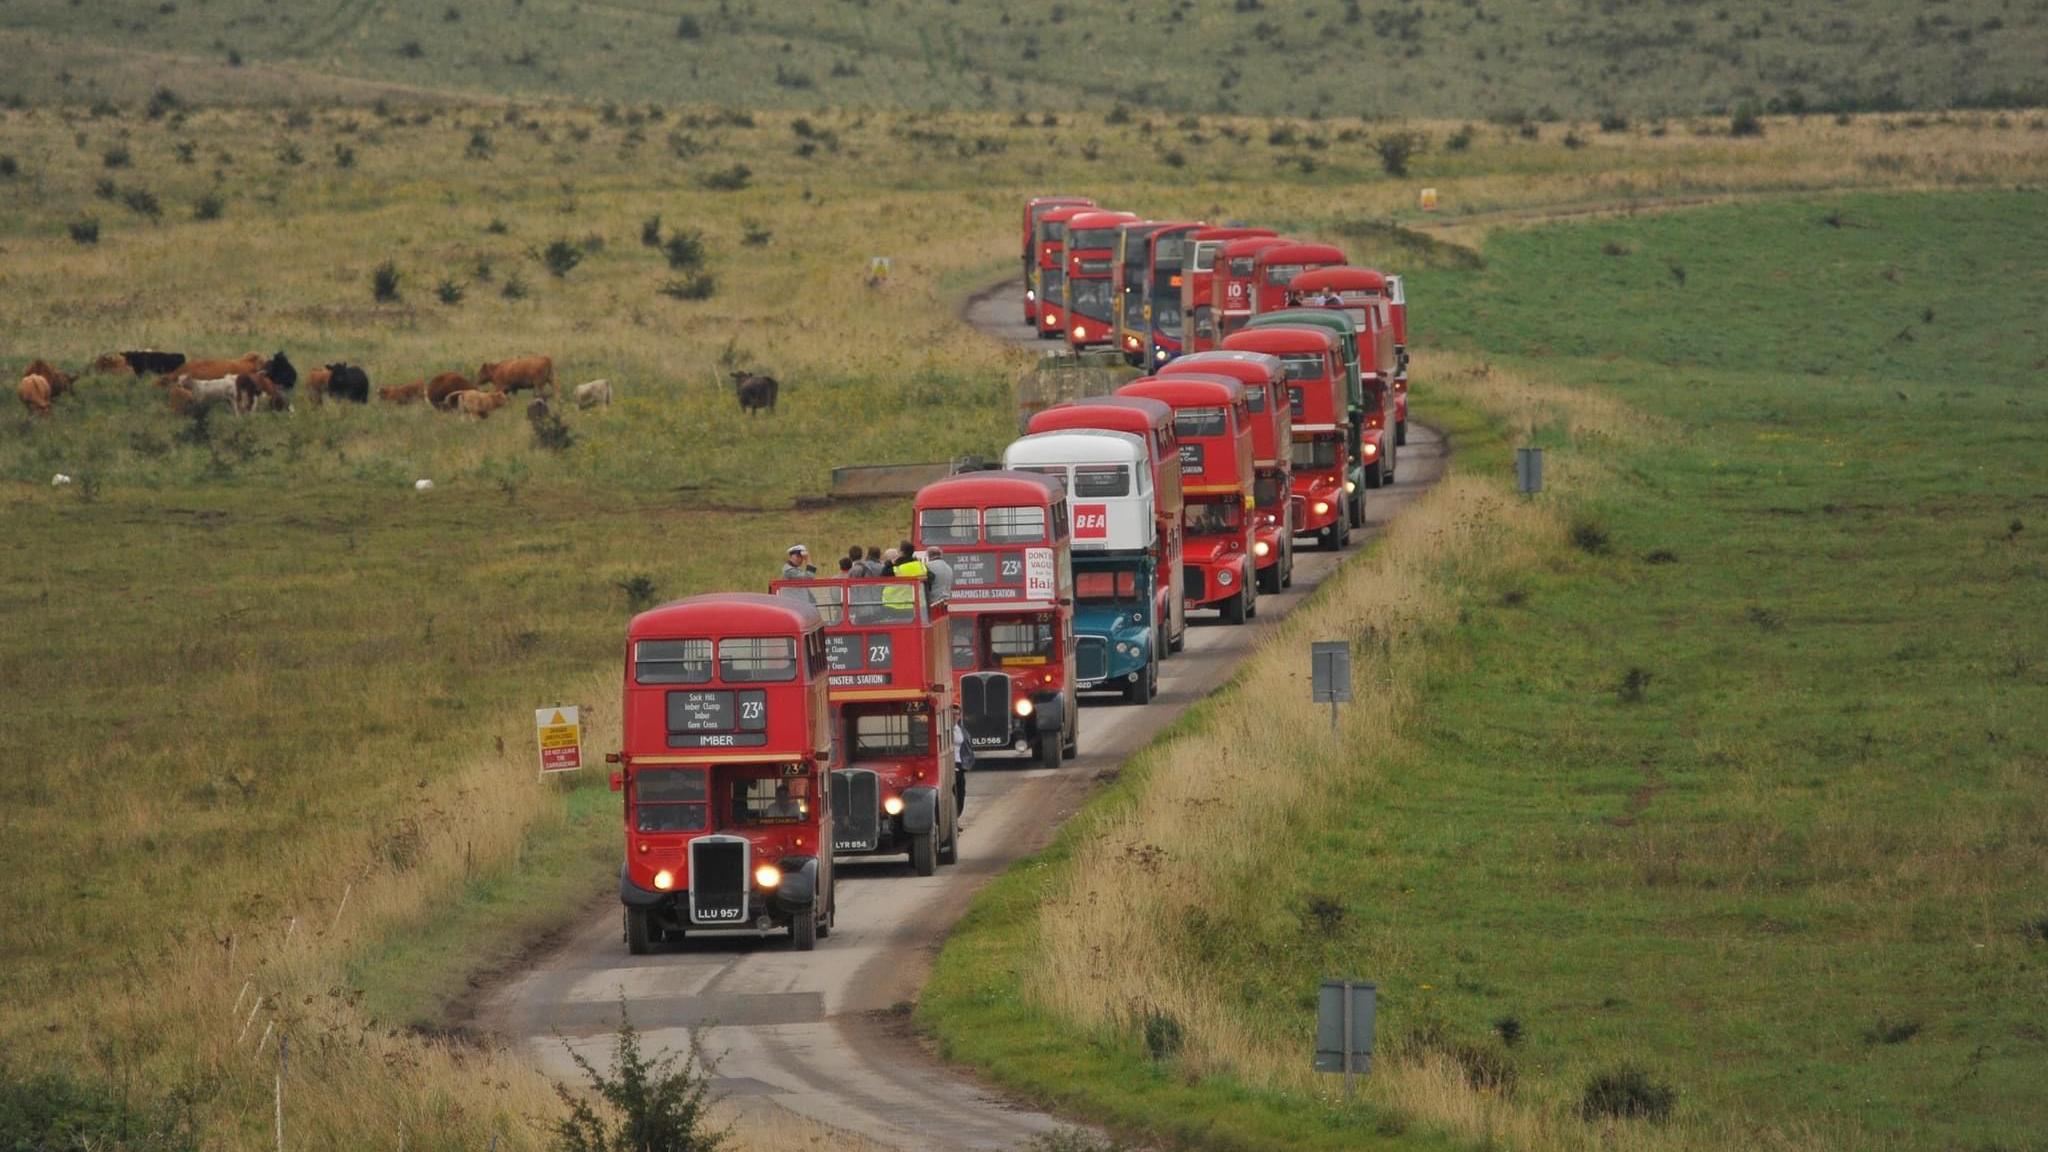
(1345, 1011)
(559, 732)
(1330, 675)
(1529, 470)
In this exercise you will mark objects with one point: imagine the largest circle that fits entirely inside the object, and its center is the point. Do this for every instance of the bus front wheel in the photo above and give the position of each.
(1049, 750)
(639, 940)
(924, 854)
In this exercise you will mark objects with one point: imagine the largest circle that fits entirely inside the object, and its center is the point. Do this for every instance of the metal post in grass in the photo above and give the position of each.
(1529, 470)
(1330, 675)
(1345, 1011)
(284, 1055)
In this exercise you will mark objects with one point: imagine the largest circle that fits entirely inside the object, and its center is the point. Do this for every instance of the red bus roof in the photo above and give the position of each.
(1067, 213)
(1140, 417)
(1297, 252)
(726, 614)
(1184, 392)
(1280, 339)
(1235, 233)
(1099, 218)
(1060, 201)
(1246, 366)
(1247, 245)
(1343, 278)
(996, 488)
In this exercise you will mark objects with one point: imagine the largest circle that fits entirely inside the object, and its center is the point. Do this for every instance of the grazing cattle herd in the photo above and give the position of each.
(253, 382)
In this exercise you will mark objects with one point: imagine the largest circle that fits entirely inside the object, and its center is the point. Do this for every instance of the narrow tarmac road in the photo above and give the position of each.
(819, 1034)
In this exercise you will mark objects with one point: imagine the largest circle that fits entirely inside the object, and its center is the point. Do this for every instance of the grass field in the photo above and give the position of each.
(280, 754)
(1430, 58)
(1733, 772)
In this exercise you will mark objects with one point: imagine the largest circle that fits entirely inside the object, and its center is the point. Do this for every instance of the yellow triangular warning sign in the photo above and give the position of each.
(558, 718)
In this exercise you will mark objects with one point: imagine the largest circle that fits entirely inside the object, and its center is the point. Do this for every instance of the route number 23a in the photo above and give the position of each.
(1012, 566)
(752, 709)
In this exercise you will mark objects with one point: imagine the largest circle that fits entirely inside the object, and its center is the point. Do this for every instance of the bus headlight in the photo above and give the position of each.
(1224, 578)
(1159, 353)
(1261, 549)
(1350, 486)
(664, 880)
(1024, 708)
(1371, 450)
(1030, 295)
(1080, 332)
(1322, 507)
(768, 876)
(1131, 342)
(893, 805)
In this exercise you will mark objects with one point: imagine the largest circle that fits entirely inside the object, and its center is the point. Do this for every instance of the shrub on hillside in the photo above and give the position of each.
(209, 207)
(1626, 1092)
(116, 156)
(684, 249)
(1396, 149)
(650, 231)
(561, 257)
(9, 167)
(84, 230)
(1745, 123)
(449, 291)
(727, 179)
(640, 1103)
(697, 286)
(384, 283)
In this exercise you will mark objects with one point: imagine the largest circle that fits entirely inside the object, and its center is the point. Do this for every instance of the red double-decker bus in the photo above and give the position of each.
(1213, 424)
(1235, 284)
(1006, 537)
(891, 690)
(1361, 295)
(1152, 422)
(1397, 296)
(1034, 209)
(1164, 327)
(1129, 275)
(1049, 236)
(1327, 472)
(1200, 307)
(1274, 511)
(727, 744)
(1278, 265)
(1089, 256)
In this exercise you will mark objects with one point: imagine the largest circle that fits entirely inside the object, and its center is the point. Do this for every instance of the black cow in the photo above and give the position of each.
(281, 372)
(154, 363)
(348, 382)
(756, 391)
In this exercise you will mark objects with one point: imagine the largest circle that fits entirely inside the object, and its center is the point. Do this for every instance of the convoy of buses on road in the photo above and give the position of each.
(769, 737)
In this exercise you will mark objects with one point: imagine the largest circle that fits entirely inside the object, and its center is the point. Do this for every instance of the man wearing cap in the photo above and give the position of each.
(798, 564)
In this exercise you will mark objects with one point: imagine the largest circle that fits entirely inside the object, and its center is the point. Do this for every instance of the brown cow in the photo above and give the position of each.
(756, 391)
(535, 372)
(181, 399)
(113, 364)
(481, 404)
(60, 382)
(447, 384)
(403, 393)
(214, 369)
(316, 385)
(35, 395)
(250, 389)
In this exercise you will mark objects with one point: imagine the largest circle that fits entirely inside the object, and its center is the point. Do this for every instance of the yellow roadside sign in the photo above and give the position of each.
(559, 731)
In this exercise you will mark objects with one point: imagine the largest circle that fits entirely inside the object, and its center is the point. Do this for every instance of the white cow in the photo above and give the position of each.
(219, 390)
(594, 393)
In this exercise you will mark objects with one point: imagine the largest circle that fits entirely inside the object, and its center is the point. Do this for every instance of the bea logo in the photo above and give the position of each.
(1091, 522)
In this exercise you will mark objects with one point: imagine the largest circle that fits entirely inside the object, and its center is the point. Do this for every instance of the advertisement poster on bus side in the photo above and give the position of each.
(1038, 574)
